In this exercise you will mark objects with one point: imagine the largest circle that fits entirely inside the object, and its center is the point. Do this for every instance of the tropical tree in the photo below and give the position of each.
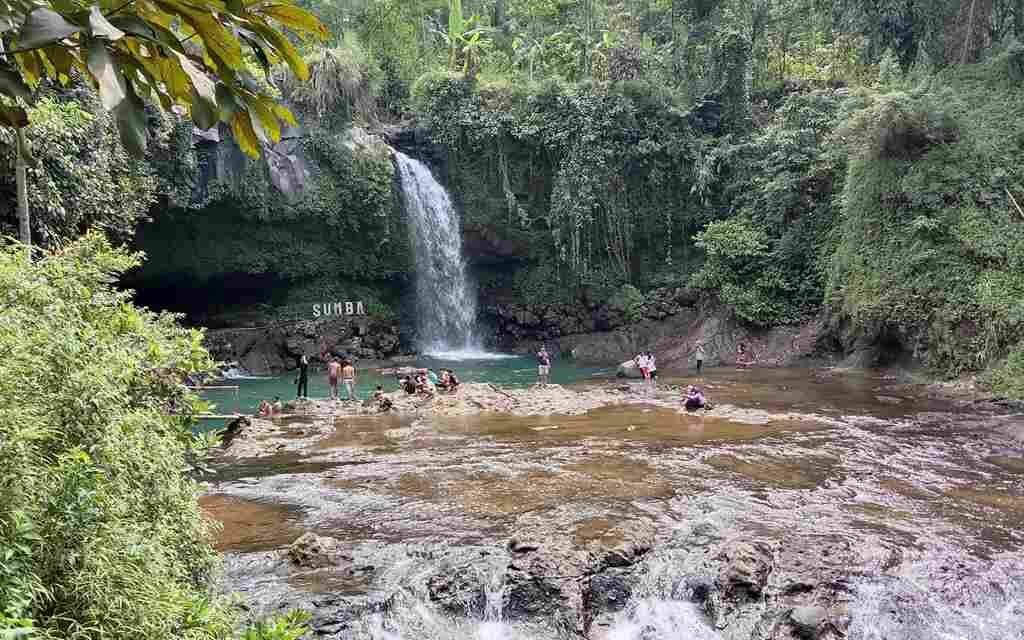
(185, 55)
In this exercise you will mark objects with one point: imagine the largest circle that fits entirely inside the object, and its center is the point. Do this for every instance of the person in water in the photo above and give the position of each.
(302, 381)
(348, 379)
(700, 356)
(333, 373)
(543, 366)
(266, 409)
(695, 399)
(277, 407)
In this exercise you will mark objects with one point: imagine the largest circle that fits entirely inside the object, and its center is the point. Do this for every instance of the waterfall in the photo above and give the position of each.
(445, 301)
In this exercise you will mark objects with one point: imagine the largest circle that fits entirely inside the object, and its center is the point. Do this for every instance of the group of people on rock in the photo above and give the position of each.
(337, 372)
(426, 382)
(647, 364)
(269, 409)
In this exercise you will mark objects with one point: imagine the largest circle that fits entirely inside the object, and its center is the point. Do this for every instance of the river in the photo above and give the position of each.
(851, 500)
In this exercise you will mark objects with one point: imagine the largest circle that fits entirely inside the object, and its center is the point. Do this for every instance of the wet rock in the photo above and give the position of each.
(809, 621)
(628, 369)
(609, 591)
(458, 592)
(747, 566)
(311, 551)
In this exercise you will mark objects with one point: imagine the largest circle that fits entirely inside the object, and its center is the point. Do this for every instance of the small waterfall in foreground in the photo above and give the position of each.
(445, 302)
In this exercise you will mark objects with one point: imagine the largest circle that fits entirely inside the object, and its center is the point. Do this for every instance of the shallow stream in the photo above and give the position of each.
(902, 516)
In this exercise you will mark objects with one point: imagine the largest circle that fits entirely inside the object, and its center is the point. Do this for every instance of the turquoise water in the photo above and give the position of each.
(508, 371)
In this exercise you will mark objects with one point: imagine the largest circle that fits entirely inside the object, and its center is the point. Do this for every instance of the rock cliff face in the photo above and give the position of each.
(669, 322)
(273, 349)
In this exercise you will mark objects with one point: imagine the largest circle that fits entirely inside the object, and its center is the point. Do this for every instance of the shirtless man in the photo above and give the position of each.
(333, 371)
(348, 379)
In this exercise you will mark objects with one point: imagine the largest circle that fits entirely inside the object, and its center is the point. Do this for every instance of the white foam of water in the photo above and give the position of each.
(662, 620)
(234, 373)
(469, 354)
(988, 605)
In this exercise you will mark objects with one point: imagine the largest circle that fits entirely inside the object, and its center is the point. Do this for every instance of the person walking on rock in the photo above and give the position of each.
(700, 356)
(302, 381)
(543, 366)
(333, 372)
(348, 379)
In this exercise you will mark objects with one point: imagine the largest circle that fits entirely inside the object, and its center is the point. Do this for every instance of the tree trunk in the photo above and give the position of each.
(1018, 18)
(21, 179)
(967, 31)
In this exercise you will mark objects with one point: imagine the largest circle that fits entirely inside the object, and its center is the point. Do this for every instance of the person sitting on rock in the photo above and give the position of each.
(265, 410)
(449, 383)
(695, 399)
(423, 384)
(384, 403)
(407, 384)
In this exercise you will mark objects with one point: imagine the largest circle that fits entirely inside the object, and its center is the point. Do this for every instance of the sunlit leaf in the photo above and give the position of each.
(100, 27)
(245, 135)
(295, 18)
(108, 77)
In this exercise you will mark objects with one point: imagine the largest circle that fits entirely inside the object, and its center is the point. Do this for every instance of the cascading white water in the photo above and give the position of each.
(445, 301)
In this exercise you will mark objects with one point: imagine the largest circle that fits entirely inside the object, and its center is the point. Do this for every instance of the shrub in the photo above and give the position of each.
(100, 533)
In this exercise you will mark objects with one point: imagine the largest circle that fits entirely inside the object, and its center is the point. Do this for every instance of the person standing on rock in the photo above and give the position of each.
(700, 356)
(302, 381)
(652, 368)
(348, 379)
(543, 366)
(333, 371)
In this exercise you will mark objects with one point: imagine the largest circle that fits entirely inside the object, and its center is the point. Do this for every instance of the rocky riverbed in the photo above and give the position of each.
(803, 506)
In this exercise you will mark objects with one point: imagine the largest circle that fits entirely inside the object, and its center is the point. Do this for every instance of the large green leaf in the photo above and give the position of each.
(131, 123)
(44, 26)
(204, 94)
(12, 85)
(108, 76)
(204, 114)
(100, 27)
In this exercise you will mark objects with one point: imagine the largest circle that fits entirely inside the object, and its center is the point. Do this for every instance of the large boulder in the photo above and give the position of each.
(628, 369)
(311, 551)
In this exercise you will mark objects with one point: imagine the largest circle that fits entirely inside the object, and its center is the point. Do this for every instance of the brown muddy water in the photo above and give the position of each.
(927, 496)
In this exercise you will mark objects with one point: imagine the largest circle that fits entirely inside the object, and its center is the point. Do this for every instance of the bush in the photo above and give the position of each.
(100, 533)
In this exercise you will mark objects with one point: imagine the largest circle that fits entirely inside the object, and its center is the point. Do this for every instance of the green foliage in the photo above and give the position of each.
(290, 626)
(84, 177)
(889, 70)
(167, 54)
(346, 221)
(741, 267)
(102, 530)
(629, 300)
(1007, 376)
(929, 243)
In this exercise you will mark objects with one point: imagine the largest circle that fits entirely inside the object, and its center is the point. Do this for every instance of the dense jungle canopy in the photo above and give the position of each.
(783, 156)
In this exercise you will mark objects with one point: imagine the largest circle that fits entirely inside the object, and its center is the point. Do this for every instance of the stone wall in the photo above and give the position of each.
(276, 348)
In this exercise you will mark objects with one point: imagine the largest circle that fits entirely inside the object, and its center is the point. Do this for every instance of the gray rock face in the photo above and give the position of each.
(275, 349)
